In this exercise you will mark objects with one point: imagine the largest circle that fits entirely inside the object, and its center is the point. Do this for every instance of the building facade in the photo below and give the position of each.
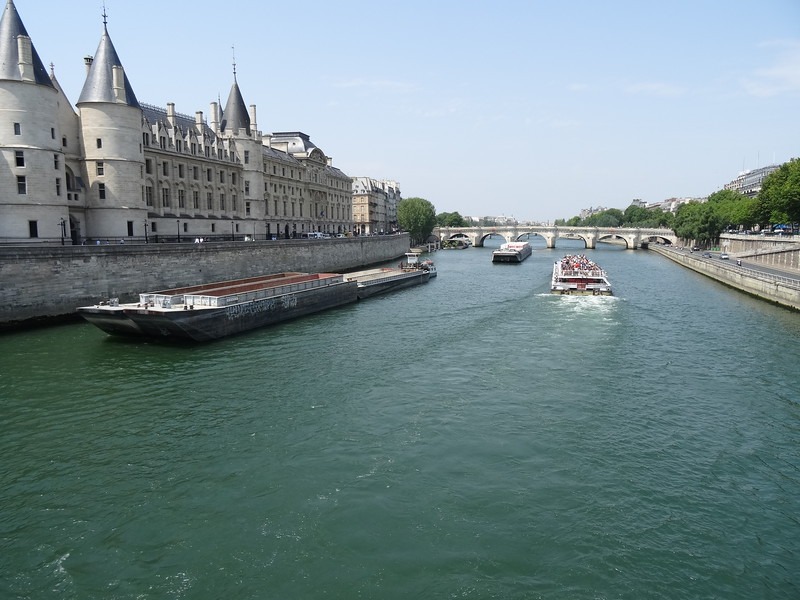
(112, 168)
(749, 183)
(375, 205)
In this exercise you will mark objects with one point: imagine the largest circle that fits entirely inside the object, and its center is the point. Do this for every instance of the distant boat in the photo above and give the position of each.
(512, 252)
(577, 275)
(456, 244)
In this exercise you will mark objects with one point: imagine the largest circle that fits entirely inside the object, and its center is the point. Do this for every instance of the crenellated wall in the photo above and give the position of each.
(39, 283)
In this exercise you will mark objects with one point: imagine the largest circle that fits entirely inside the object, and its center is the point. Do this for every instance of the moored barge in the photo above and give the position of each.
(378, 281)
(210, 311)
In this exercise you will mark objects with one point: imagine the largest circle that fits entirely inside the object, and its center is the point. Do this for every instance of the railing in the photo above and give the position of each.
(582, 273)
(791, 282)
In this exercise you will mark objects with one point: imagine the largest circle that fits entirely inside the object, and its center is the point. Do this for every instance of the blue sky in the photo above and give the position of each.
(534, 109)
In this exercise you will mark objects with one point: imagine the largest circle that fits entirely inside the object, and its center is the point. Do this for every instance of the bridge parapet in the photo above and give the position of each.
(633, 237)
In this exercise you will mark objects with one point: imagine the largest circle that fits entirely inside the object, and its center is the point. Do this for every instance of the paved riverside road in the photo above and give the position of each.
(753, 266)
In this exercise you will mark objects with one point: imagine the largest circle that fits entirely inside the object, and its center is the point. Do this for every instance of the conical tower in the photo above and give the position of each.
(34, 202)
(111, 136)
(238, 127)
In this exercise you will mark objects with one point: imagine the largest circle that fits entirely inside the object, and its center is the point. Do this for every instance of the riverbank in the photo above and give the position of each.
(781, 290)
(44, 285)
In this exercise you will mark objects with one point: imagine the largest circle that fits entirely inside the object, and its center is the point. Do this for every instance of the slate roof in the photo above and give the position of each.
(10, 28)
(235, 115)
(99, 82)
(185, 123)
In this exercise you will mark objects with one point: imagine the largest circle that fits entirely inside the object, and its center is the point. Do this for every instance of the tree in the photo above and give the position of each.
(698, 221)
(451, 219)
(779, 198)
(612, 217)
(634, 215)
(417, 216)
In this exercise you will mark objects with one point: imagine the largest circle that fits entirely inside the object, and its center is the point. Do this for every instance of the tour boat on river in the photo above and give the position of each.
(575, 274)
(512, 252)
(214, 310)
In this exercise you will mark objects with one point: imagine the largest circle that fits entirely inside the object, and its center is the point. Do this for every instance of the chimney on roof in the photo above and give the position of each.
(253, 124)
(215, 117)
(88, 60)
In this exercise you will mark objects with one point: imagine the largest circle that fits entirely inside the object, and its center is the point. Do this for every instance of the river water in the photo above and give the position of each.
(474, 437)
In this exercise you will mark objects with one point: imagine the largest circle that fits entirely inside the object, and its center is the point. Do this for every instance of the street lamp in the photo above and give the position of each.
(63, 224)
(145, 232)
(179, 230)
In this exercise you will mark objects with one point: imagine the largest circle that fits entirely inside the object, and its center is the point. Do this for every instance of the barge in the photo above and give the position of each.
(215, 310)
(577, 275)
(378, 281)
(512, 252)
(408, 273)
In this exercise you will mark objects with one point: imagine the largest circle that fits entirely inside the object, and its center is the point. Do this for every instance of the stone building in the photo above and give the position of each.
(749, 183)
(113, 168)
(375, 205)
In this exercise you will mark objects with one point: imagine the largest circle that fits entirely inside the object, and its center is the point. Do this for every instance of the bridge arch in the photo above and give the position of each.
(633, 237)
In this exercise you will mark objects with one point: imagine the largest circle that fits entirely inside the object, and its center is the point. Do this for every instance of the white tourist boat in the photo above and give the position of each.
(577, 275)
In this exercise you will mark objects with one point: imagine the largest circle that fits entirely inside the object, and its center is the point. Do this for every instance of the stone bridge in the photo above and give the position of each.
(633, 237)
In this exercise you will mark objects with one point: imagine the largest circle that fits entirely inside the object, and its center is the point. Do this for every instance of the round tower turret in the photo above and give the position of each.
(111, 137)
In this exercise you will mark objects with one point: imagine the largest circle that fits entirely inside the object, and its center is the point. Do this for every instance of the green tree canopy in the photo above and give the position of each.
(732, 209)
(779, 198)
(607, 218)
(451, 219)
(698, 221)
(633, 216)
(417, 216)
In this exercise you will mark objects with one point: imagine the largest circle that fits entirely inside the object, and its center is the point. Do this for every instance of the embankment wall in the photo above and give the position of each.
(43, 283)
(779, 290)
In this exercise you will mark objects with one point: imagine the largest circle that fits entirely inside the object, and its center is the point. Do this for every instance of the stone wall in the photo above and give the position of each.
(778, 252)
(779, 290)
(40, 283)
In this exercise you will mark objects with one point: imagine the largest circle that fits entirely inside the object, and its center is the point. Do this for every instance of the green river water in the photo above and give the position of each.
(474, 437)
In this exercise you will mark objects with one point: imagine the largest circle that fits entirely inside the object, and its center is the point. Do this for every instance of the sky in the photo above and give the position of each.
(530, 109)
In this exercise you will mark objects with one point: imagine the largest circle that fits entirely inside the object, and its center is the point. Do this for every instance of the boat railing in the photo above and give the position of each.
(172, 301)
(582, 273)
(161, 300)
